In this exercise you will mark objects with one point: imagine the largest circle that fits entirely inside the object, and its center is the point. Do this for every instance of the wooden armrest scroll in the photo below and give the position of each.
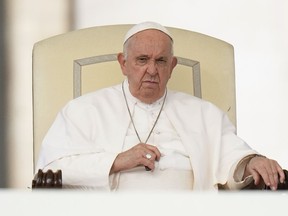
(47, 179)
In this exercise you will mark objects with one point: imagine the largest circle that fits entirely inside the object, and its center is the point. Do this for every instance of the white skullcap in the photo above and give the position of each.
(145, 26)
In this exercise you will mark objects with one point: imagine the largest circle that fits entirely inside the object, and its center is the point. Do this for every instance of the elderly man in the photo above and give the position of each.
(140, 135)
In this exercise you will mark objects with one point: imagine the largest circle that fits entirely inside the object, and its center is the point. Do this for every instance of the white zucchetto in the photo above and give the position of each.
(145, 26)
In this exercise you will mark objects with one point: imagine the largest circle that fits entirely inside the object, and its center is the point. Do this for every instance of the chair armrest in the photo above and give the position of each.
(47, 179)
(53, 180)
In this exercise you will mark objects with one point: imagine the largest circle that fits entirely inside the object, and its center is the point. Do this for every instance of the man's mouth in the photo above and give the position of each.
(150, 81)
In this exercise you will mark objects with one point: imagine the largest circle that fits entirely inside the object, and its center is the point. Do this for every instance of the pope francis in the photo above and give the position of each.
(138, 135)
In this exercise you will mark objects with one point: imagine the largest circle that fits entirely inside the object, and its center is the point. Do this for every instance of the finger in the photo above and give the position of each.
(256, 177)
(149, 164)
(273, 176)
(147, 160)
(269, 176)
(150, 155)
(264, 173)
(277, 175)
(264, 167)
(155, 151)
(281, 174)
(253, 171)
(144, 150)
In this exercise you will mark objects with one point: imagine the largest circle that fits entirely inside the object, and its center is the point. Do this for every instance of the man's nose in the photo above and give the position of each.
(151, 68)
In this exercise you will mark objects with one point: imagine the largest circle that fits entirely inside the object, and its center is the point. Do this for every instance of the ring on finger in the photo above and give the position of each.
(148, 156)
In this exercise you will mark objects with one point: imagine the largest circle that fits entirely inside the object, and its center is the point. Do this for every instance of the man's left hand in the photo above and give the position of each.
(268, 170)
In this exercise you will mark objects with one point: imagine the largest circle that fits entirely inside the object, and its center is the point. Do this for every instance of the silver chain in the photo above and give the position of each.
(132, 118)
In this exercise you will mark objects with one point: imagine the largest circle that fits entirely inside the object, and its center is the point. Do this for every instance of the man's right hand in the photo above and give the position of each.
(136, 156)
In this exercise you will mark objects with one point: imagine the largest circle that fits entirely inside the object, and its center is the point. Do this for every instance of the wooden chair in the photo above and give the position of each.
(71, 64)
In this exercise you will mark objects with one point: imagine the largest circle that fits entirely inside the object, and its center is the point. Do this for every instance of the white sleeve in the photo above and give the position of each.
(235, 181)
(84, 170)
(73, 146)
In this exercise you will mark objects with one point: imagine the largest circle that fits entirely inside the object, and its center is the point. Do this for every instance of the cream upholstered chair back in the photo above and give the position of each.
(69, 65)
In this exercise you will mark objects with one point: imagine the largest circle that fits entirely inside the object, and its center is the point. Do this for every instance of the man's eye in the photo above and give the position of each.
(161, 61)
(142, 60)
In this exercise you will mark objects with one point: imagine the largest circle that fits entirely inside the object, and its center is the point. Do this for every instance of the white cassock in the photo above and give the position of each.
(198, 145)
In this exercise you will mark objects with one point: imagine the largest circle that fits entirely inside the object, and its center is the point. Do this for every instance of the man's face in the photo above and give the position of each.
(148, 65)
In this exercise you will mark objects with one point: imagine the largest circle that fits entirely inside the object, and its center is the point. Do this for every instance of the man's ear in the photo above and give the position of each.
(122, 62)
(173, 64)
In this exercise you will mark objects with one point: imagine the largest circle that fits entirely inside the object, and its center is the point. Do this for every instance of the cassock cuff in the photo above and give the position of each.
(236, 181)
